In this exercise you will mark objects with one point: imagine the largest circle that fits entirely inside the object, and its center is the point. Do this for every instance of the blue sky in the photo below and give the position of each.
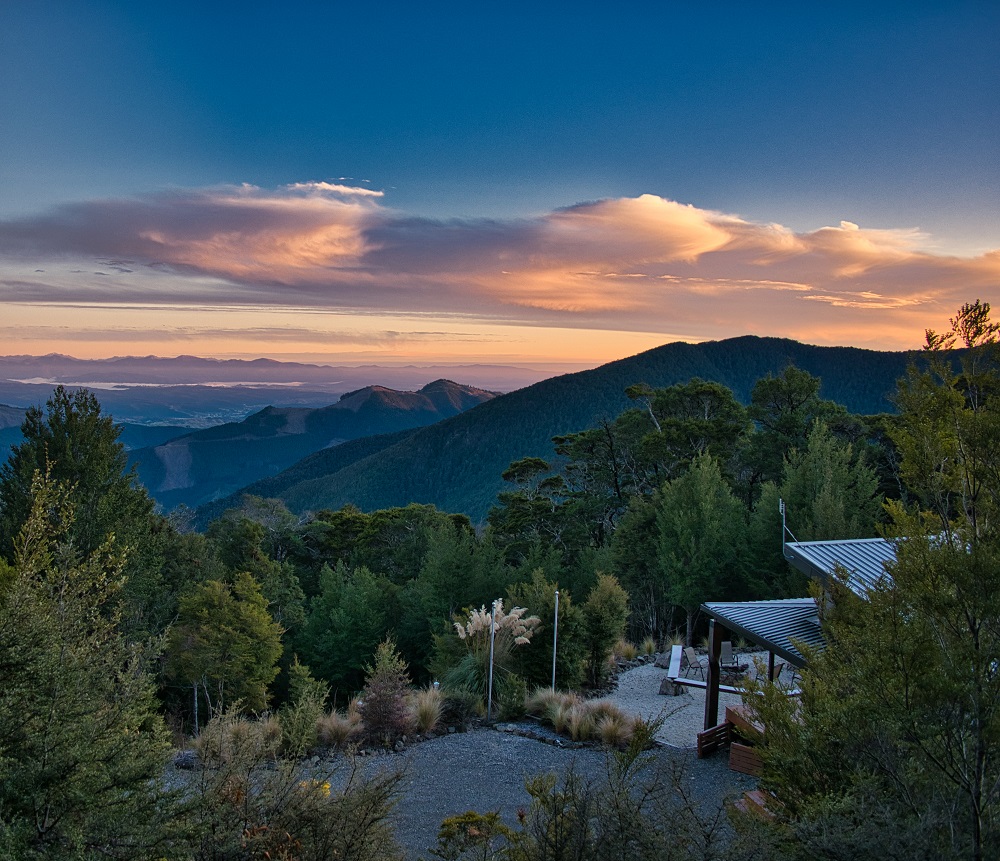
(481, 125)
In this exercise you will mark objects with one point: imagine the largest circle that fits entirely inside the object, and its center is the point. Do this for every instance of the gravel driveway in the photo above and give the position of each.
(485, 769)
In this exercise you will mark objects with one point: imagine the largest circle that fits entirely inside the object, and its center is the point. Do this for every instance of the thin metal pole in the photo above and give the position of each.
(555, 640)
(489, 694)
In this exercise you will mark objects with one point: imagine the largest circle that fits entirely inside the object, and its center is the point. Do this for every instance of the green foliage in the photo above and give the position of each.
(534, 664)
(351, 615)
(635, 560)
(301, 714)
(896, 743)
(605, 615)
(784, 409)
(829, 491)
(471, 835)
(76, 445)
(224, 646)
(82, 748)
(701, 533)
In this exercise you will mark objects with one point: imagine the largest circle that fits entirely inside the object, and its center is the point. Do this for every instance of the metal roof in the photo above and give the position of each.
(774, 625)
(863, 559)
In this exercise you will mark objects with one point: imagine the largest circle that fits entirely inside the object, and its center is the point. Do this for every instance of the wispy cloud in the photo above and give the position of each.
(643, 264)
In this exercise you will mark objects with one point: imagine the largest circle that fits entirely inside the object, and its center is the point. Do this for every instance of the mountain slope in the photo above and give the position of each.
(456, 464)
(212, 463)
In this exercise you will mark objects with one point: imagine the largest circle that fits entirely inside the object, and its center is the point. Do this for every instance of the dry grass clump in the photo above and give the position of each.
(336, 729)
(226, 735)
(626, 651)
(648, 646)
(541, 700)
(615, 729)
(580, 722)
(427, 706)
(583, 720)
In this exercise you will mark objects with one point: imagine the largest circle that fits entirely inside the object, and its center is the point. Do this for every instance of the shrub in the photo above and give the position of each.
(300, 717)
(383, 701)
(513, 692)
(459, 706)
(605, 614)
(251, 807)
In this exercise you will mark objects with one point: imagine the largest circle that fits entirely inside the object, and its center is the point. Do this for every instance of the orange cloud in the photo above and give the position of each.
(643, 264)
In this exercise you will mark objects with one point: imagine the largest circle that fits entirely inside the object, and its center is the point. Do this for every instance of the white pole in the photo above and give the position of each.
(489, 693)
(555, 640)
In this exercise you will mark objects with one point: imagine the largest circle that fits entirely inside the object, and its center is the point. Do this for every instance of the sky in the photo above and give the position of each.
(557, 184)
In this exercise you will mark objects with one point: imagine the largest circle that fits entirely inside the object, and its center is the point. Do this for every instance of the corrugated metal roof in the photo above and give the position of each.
(863, 559)
(774, 625)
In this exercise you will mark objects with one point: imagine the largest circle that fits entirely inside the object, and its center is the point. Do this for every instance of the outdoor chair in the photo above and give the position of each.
(693, 662)
(727, 660)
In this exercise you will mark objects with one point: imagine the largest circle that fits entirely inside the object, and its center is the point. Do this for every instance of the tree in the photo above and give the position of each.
(701, 531)
(829, 491)
(75, 444)
(691, 419)
(534, 665)
(82, 748)
(784, 409)
(605, 614)
(352, 614)
(224, 646)
(898, 732)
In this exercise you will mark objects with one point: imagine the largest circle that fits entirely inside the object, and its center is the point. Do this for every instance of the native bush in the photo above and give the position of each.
(383, 703)
(250, 805)
(299, 718)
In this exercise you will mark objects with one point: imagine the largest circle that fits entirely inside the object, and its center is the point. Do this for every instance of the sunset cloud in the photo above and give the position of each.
(645, 264)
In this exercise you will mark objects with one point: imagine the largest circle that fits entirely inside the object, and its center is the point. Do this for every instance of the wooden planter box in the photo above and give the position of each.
(744, 759)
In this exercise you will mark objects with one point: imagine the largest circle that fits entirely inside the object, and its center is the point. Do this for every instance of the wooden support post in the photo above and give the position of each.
(770, 666)
(715, 635)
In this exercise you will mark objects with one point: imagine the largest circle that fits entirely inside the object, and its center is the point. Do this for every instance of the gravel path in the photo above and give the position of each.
(485, 769)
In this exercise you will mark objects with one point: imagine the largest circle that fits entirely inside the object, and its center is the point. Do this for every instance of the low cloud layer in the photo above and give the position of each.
(643, 264)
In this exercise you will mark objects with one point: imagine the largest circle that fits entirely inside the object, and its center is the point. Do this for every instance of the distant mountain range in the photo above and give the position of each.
(131, 436)
(195, 392)
(456, 464)
(201, 466)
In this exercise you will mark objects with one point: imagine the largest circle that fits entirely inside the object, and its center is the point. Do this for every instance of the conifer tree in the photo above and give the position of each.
(82, 748)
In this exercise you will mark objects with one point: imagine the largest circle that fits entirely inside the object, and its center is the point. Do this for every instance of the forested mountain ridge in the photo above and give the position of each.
(456, 464)
(213, 462)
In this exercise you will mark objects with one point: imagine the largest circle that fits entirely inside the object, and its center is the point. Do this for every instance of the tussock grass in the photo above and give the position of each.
(227, 734)
(584, 720)
(648, 646)
(580, 722)
(626, 651)
(427, 706)
(336, 729)
(615, 729)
